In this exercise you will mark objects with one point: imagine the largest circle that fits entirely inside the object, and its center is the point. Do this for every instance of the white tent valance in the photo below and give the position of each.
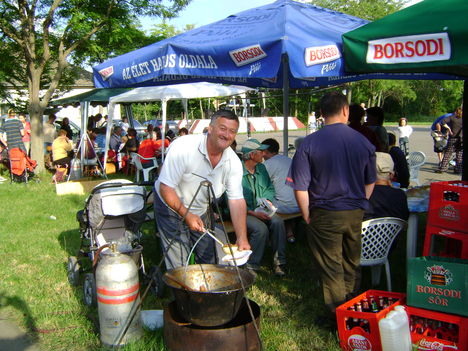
(170, 92)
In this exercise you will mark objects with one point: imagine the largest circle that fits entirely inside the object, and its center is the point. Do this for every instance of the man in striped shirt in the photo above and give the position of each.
(11, 133)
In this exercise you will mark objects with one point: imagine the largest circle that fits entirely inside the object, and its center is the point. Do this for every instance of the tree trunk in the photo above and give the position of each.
(202, 113)
(36, 112)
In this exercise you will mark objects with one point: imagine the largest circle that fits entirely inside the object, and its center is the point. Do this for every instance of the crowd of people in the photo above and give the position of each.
(349, 170)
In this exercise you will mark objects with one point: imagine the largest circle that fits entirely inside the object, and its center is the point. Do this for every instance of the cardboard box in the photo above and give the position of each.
(438, 283)
(79, 187)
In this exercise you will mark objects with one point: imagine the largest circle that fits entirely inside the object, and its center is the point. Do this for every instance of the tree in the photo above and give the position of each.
(48, 35)
(365, 9)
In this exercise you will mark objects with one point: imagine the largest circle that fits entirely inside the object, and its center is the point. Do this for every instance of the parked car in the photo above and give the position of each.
(173, 125)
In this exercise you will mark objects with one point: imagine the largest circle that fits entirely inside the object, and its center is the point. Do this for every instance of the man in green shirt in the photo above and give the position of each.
(258, 188)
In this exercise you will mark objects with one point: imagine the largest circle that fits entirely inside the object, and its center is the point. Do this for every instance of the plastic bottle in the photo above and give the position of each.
(394, 331)
(406, 328)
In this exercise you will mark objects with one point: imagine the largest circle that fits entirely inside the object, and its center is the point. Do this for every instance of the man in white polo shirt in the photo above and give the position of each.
(181, 205)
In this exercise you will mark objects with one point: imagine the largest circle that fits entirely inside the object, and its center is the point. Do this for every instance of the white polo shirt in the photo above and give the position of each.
(187, 164)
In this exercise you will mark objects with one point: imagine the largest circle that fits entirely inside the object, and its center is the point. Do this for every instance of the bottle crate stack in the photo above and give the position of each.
(447, 220)
(358, 319)
(435, 331)
(438, 282)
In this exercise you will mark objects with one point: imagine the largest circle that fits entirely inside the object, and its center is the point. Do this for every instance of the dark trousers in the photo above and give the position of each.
(453, 145)
(177, 239)
(335, 241)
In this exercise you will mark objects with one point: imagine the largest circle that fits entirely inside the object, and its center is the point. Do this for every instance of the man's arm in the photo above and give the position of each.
(238, 210)
(369, 188)
(171, 198)
(302, 198)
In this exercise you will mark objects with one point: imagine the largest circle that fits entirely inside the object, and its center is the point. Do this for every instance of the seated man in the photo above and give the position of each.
(399, 160)
(256, 185)
(61, 149)
(278, 168)
(385, 200)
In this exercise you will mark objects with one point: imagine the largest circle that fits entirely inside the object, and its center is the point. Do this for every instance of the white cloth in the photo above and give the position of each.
(187, 164)
(278, 168)
(405, 131)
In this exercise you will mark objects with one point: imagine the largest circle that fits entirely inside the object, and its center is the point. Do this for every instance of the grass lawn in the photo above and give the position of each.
(35, 291)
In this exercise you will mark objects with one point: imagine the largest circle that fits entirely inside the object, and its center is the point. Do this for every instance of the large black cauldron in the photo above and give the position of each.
(218, 293)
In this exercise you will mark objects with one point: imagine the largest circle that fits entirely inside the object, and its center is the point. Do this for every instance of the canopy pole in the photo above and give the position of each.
(465, 131)
(285, 61)
(185, 105)
(163, 128)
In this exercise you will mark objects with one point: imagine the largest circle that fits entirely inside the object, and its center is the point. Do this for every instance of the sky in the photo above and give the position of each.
(201, 12)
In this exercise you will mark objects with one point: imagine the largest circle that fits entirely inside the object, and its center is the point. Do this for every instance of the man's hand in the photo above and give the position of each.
(243, 244)
(194, 222)
(260, 215)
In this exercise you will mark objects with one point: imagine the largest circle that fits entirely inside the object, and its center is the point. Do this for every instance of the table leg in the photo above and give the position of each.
(412, 234)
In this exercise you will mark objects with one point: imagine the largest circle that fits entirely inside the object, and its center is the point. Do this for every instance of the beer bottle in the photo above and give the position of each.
(365, 325)
(354, 321)
(419, 326)
(365, 305)
(358, 307)
(381, 303)
(452, 332)
(428, 331)
(373, 305)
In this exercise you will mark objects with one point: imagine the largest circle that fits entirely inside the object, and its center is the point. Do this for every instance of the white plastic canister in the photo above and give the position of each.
(394, 331)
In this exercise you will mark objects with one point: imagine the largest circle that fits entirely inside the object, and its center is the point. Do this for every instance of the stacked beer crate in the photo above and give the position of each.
(438, 281)
(436, 300)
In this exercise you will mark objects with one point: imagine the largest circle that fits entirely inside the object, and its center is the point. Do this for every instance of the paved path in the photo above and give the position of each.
(420, 140)
(12, 338)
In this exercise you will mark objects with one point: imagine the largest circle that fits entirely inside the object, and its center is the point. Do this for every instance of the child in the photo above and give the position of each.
(405, 131)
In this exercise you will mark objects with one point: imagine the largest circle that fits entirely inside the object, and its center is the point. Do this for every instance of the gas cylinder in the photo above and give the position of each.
(75, 169)
(118, 298)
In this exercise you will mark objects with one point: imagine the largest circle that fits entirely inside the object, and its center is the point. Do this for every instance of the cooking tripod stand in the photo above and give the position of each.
(155, 276)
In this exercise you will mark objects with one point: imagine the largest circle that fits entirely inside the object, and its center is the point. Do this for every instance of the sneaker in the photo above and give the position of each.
(280, 270)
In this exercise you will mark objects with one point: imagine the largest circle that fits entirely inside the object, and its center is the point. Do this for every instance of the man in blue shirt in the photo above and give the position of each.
(333, 174)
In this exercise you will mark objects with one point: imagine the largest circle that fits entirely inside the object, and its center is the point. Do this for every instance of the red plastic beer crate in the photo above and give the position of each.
(445, 243)
(448, 205)
(357, 338)
(433, 334)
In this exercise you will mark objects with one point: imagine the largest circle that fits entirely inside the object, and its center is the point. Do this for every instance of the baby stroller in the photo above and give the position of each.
(21, 166)
(113, 213)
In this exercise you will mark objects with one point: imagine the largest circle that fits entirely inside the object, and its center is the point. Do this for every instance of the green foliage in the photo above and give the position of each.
(366, 9)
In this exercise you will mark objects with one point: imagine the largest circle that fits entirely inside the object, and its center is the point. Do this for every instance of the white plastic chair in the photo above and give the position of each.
(378, 235)
(136, 160)
(415, 160)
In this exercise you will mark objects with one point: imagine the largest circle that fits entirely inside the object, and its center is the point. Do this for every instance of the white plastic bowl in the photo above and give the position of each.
(240, 258)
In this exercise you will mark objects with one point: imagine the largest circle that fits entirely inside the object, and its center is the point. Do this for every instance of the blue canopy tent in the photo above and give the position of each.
(285, 45)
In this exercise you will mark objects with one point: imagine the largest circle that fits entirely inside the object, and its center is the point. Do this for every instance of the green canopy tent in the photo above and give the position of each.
(431, 36)
(93, 97)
